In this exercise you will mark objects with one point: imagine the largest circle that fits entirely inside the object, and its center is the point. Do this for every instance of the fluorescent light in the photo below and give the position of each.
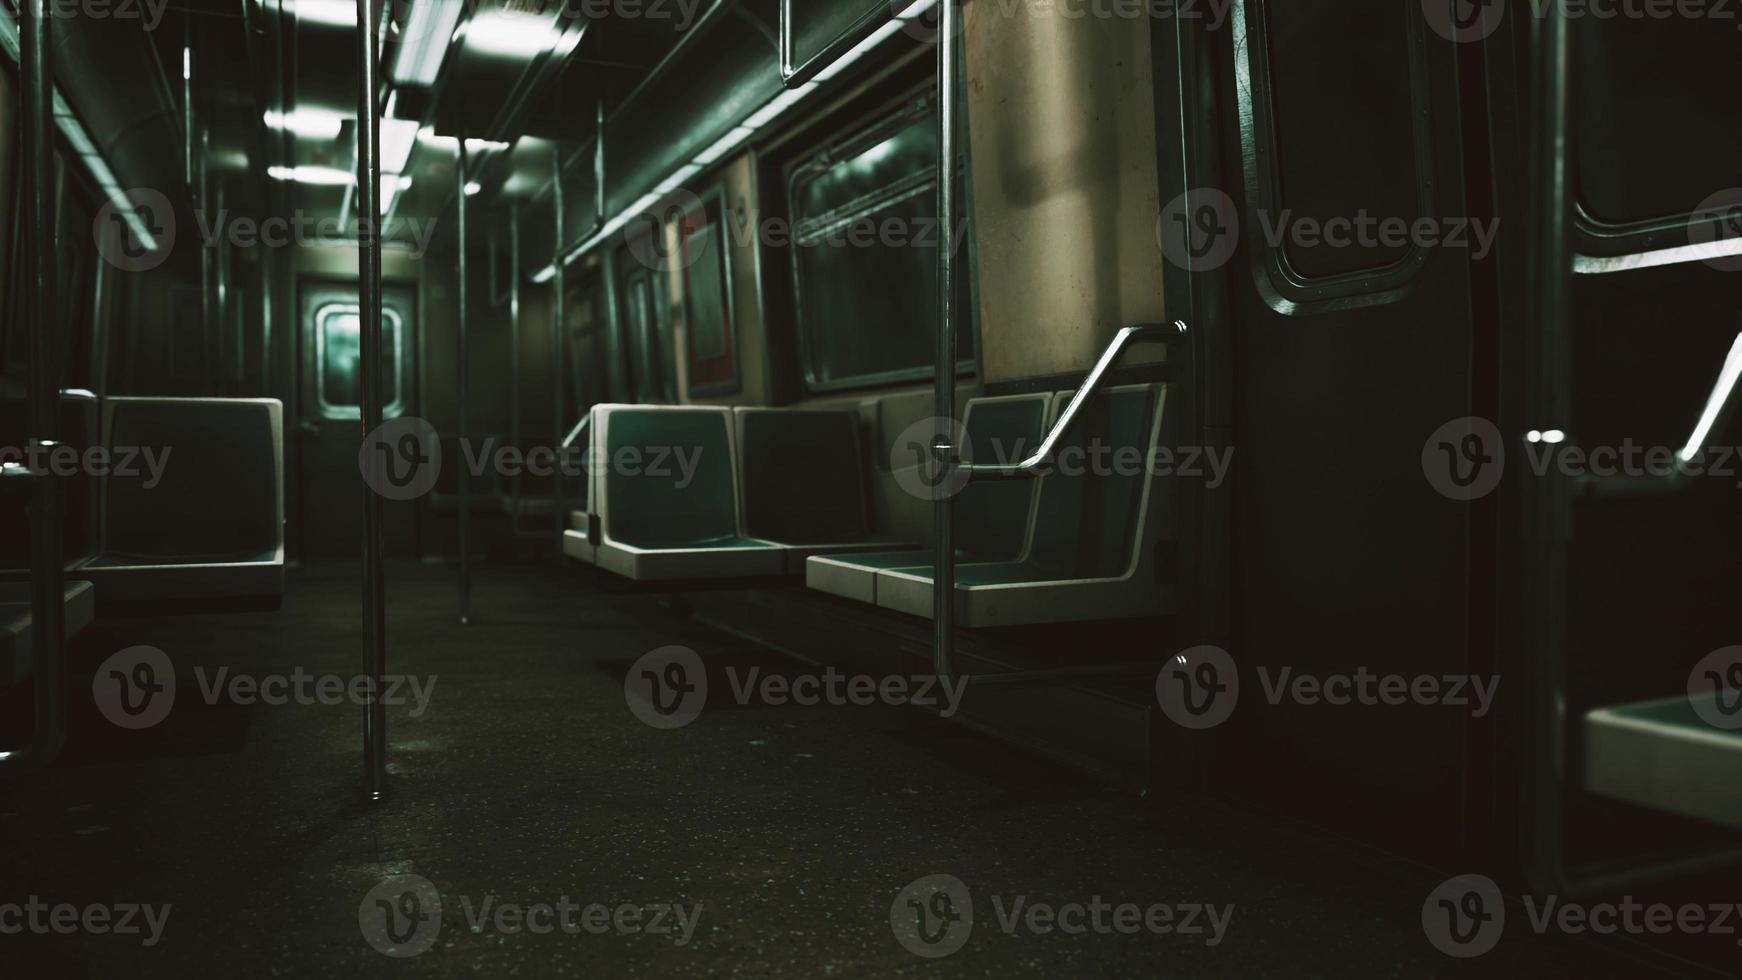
(68, 123)
(545, 274)
(397, 138)
(317, 176)
(1552, 436)
(1715, 404)
(735, 138)
(187, 63)
(308, 122)
(423, 44)
(508, 33)
(473, 187)
(430, 138)
(334, 13)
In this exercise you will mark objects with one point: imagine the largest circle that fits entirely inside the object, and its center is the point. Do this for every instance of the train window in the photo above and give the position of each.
(588, 357)
(339, 339)
(865, 241)
(1334, 119)
(645, 330)
(1665, 84)
(707, 271)
(75, 278)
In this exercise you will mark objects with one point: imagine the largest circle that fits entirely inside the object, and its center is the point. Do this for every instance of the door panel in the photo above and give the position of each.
(1348, 351)
(330, 522)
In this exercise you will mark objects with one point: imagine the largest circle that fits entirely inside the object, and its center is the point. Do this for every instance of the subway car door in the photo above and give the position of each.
(329, 506)
(1342, 232)
(1646, 562)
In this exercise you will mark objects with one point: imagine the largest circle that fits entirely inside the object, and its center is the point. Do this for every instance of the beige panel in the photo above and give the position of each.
(1062, 135)
(738, 188)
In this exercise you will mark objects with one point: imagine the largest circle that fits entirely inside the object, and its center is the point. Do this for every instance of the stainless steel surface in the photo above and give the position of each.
(369, 301)
(944, 378)
(514, 357)
(42, 414)
(557, 329)
(461, 206)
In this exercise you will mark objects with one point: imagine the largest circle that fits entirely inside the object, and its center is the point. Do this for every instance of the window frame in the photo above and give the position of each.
(332, 411)
(631, 274)
(1284, 288)
(890, 119)
(1601, 247)
(732, 383)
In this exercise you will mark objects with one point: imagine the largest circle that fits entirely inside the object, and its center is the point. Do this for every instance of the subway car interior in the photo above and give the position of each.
(1056, 488)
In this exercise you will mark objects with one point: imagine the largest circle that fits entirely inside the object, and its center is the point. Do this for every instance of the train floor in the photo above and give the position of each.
(766, 840)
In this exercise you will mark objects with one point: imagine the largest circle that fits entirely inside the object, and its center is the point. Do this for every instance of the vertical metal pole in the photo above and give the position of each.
(42, 408)
(1546, 502)
(558, 367)
(944, 398)
(369, 299)
(514, 357)
(465, 357)
(599, 162)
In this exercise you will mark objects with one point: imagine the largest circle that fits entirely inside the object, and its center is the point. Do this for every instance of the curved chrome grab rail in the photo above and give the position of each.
(943, 545)
(1125, 339)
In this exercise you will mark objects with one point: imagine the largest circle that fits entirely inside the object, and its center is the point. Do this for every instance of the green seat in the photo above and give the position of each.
(992, 517)
(667, 504)
(212, 531)
(1082, 559)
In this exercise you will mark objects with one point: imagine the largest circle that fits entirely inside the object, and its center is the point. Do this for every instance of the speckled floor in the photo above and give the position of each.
(784, 834)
